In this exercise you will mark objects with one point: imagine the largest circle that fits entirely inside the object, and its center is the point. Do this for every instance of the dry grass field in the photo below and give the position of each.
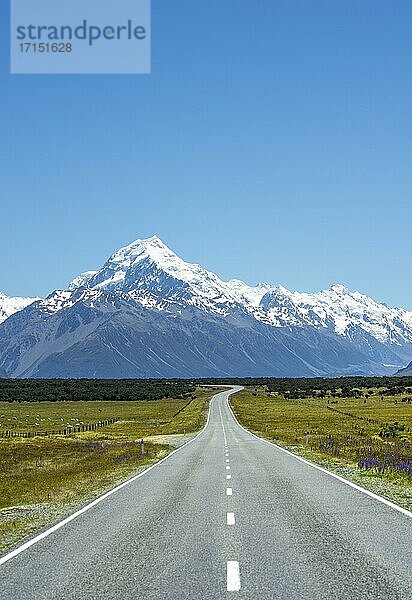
(367, 439)
(43, 477)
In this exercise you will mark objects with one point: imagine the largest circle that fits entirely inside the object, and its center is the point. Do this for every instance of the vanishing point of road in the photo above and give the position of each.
(226, 516)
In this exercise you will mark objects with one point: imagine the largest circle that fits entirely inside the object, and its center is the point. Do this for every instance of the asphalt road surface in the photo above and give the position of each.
(226, 516)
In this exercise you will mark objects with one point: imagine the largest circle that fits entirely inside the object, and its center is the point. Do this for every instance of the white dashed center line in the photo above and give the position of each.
(232, 573)
(230, 518)
(223, 427)
(233, 576)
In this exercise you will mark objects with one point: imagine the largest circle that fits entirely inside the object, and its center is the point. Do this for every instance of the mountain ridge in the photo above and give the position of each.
(146, 312)
(407, 371)
(380, 320)
(12, 304)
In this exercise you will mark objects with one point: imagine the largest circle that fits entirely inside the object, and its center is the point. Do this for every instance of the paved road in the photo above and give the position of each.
(226, 511)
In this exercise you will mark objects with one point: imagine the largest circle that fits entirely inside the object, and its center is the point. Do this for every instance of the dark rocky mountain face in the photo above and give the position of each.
(407, 371)
(147, 313)
(111, 336)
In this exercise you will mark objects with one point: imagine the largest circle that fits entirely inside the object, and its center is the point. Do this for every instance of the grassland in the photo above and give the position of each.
(367, 439)
(44, 477)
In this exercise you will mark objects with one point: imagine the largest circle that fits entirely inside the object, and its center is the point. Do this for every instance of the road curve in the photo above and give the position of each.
(226, 516)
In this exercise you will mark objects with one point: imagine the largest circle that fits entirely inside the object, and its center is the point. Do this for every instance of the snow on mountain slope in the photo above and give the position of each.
(246, 295)
(81, 280)
(10, 305)
(339, 309)
(156, 277)
(107, 334)
(54, 325)
(148, 313)
(121, 269)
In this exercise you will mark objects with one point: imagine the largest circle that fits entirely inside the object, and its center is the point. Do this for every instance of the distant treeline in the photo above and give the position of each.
(341, 386)
(58, 390)
(303, 387)
(64, 390)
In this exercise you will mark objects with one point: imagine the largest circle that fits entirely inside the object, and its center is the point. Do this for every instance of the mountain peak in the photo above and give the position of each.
(10, 305)
(185, 317)
(339, 288)
(151, 242)
(154, 240)
(152, 267)
(148, 268)
(141, 248)
(155, 276)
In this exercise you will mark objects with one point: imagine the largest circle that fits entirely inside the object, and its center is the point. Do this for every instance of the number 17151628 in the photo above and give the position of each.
(45, 47)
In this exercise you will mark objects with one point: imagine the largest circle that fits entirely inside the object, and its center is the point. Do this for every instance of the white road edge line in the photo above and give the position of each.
(73, 516)
(359, 488)
(230, 518)
(233, 576)
(229, 491)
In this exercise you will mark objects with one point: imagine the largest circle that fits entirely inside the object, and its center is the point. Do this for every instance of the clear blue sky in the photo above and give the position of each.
(272, 142)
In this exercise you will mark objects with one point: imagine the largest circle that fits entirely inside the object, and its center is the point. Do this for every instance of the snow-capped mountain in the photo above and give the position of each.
(100, 333)
(341, 310)
(10, 305)
(148, 313)
(156, 276)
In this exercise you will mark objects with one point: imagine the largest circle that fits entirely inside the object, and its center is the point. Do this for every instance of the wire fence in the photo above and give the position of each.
(69, 430)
